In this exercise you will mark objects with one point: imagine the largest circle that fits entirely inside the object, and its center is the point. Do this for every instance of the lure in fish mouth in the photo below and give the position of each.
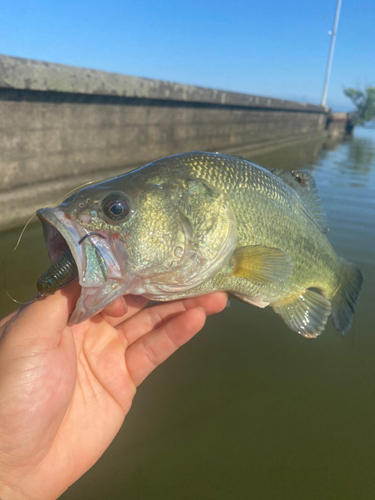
(194, 223)
(74, 253)
(63, 271)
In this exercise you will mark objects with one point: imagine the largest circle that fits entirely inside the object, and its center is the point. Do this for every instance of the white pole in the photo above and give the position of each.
(330, 55)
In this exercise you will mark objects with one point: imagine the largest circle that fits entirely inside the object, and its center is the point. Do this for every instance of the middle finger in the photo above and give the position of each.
(153, 317)
(123, 308)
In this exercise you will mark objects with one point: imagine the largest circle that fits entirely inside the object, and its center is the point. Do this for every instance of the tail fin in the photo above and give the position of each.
(344, 301)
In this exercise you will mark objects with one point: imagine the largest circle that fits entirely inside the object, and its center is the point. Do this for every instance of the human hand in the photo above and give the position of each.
(65, 390)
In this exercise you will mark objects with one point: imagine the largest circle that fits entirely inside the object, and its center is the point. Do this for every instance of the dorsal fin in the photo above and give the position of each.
(241, 157)
(304, 184)
(276, 171)
(237, 157)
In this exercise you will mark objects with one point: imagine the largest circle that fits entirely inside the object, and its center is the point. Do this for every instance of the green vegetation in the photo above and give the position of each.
(364, 101)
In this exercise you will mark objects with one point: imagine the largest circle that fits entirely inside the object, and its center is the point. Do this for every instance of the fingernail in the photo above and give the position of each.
(228, 303)
(124, 304)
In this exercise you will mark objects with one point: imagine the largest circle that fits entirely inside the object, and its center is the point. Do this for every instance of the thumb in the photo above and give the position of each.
(45, 317)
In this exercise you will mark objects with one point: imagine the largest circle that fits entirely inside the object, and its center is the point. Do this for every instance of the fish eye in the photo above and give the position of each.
(116, 207)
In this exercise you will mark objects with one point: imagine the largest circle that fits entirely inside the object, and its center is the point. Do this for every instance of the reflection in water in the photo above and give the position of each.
(249, 409)
(346, 181)
(361, 153)
(292, 156)
(358, 161)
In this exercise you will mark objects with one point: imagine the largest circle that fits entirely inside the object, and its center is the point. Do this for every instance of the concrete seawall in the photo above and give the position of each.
(61, 126)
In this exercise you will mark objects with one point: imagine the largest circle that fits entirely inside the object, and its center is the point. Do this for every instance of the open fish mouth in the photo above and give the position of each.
(60, 236)
(99, 273)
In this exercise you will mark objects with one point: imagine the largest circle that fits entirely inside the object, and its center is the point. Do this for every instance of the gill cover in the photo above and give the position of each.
(209, 228)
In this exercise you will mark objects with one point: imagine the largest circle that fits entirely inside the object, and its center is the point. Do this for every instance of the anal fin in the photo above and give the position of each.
(305, 313)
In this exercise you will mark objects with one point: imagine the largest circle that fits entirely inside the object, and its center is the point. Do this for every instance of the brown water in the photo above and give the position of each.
(249, 409)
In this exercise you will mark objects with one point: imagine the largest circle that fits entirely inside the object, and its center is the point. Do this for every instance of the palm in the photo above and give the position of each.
(81, 382)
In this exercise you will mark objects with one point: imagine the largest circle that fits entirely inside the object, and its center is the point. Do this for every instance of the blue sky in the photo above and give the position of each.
(265, 47)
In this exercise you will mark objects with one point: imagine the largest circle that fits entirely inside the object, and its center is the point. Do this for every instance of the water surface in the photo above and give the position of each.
(249, 409)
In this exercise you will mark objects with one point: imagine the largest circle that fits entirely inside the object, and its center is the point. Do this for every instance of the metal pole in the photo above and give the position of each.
(330, 55)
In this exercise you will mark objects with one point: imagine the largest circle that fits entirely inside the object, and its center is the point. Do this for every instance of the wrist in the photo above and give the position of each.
(11, 492)
(30, 487)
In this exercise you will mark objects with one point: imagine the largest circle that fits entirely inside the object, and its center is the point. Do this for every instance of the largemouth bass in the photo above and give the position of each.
(193, 223)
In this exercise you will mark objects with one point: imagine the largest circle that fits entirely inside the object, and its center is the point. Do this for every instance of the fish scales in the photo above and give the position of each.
(265, 209)
(198, 222)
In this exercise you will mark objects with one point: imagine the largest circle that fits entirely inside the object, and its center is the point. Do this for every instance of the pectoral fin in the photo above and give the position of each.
(261, 264)
(306, 313)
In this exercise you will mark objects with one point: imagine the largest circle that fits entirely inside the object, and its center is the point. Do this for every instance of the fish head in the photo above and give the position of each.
(156, 237)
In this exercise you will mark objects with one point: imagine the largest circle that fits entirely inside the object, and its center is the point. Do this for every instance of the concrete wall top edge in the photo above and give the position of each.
(27, 74)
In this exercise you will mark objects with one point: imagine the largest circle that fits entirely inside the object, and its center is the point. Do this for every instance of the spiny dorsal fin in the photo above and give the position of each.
(239, 157)
(276, 171)
(261, 264)
(304, 184)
